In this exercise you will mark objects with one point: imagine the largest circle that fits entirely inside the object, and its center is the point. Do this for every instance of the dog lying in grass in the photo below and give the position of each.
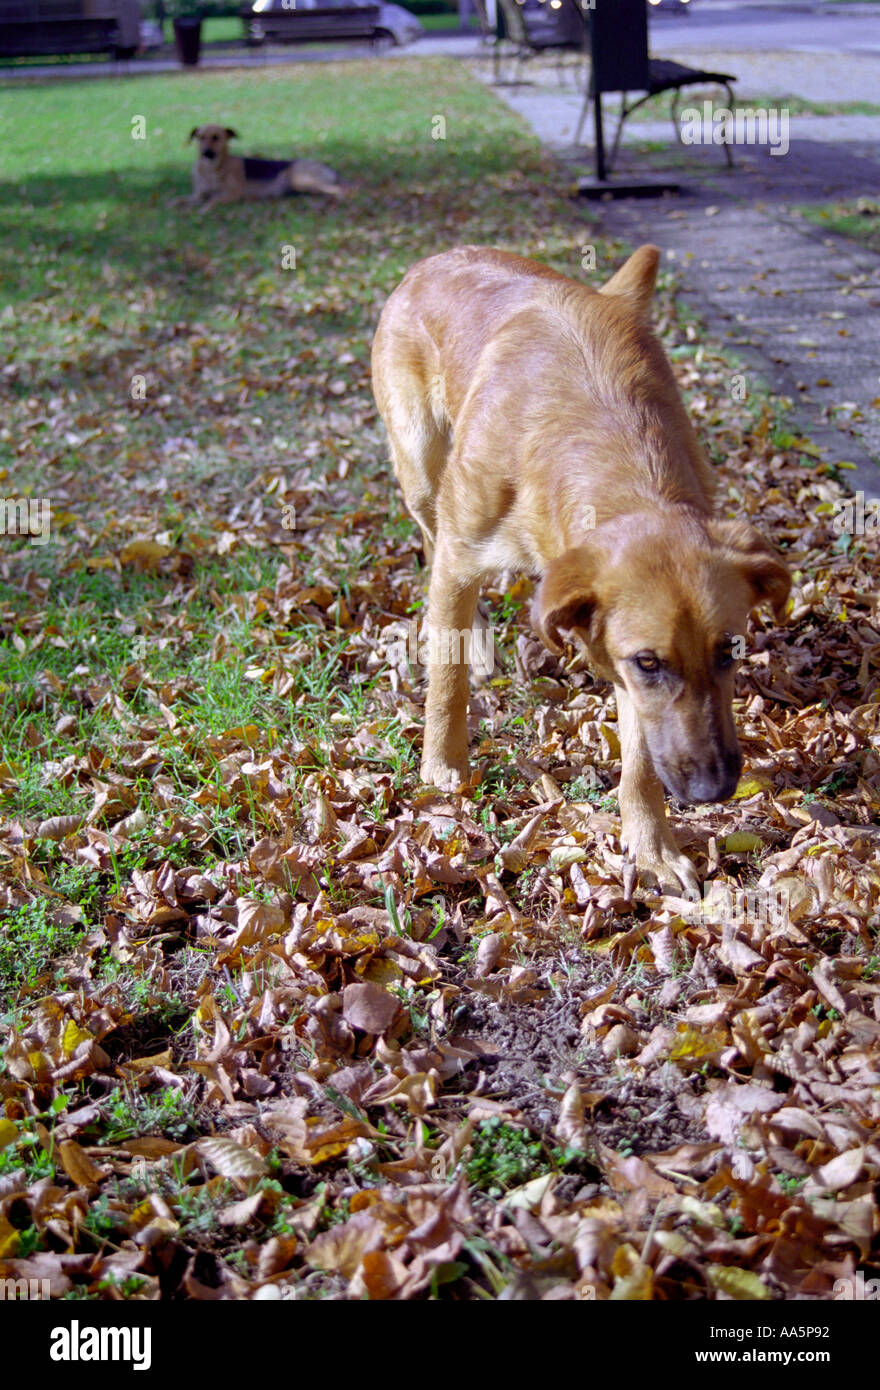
(221, 177)
(535, 425)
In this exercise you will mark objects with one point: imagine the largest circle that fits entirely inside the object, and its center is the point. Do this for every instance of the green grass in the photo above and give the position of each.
(441, 23)
(32, 937)
(503, 1156)
(221, 29)
(82, 192)
(204, 690)
(657, 108)
(858, 218)
(109, 279)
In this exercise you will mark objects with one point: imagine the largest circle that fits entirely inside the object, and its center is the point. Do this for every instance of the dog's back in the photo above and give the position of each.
(485, 344)
(262, 170)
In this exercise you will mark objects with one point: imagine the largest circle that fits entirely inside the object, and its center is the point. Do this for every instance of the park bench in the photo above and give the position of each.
(621, 63)
(54, 28)
(336, 23)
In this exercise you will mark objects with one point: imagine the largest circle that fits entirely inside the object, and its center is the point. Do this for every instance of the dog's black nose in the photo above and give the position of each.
(717, 782)
(208, 154)
(714, 781)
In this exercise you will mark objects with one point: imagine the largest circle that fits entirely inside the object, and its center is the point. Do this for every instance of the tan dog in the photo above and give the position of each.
(535, 424)
(221, 177)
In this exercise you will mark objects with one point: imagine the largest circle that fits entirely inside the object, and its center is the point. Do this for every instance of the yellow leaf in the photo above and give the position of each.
(158, 1059)
(737, 1283)
(565, 855)
(250, 733)
(10, 1237)
(379, 971)
(39, 1062)
(142, 1215)
(742, 842)
(752, 784)
(612, 739)
(693, 1044)
(8, 1133)
(263, 674)
(633, 1280)
(325, 1151)
(73, 1036)
(144, 555)
(361, 1200)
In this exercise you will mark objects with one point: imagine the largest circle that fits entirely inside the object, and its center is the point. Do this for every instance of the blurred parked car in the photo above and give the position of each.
(273, 21)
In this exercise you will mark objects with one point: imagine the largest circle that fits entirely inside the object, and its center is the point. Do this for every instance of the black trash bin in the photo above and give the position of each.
(188, 39)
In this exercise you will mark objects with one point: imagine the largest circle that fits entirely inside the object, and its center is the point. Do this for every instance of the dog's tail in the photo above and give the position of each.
(635, 280)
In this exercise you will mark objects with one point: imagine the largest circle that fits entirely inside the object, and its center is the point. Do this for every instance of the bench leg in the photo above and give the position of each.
(617, 134)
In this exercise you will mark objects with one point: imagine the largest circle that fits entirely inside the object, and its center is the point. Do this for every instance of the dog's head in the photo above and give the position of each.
(661, 603)
(213, 140)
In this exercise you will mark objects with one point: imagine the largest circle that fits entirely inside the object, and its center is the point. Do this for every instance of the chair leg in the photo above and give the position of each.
(583, 117)
(727, 150)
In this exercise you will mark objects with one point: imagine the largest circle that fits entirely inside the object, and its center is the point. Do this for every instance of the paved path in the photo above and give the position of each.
(817, 76)
(799, 306)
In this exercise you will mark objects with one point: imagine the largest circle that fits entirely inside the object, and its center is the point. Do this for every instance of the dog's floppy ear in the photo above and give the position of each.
(566, 599)
(756, 561)
(193, 133)
(635, 280)
(231, 134)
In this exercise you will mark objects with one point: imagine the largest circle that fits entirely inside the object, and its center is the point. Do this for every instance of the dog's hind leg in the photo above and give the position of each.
(309, 176)
(410, 403)
(452, 602)
(418, 453)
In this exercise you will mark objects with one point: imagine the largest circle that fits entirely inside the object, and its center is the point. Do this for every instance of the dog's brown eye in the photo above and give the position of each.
(724, 657)
(648, 662)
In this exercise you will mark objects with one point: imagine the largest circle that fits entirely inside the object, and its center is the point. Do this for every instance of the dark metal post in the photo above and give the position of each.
(600, 138)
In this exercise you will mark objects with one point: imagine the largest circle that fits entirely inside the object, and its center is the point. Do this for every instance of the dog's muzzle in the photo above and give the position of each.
(716, 780)
(208, 154)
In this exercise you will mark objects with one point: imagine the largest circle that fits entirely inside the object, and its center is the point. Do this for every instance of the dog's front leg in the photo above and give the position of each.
(215, 199)
(645, 832)
(452, 602)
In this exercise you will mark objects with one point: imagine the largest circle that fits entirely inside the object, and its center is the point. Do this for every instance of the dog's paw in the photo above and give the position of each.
(662, 865)
(439, 774)
(676, 876)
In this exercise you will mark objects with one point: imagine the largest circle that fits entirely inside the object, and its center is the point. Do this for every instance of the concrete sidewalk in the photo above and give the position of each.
(800, 307)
